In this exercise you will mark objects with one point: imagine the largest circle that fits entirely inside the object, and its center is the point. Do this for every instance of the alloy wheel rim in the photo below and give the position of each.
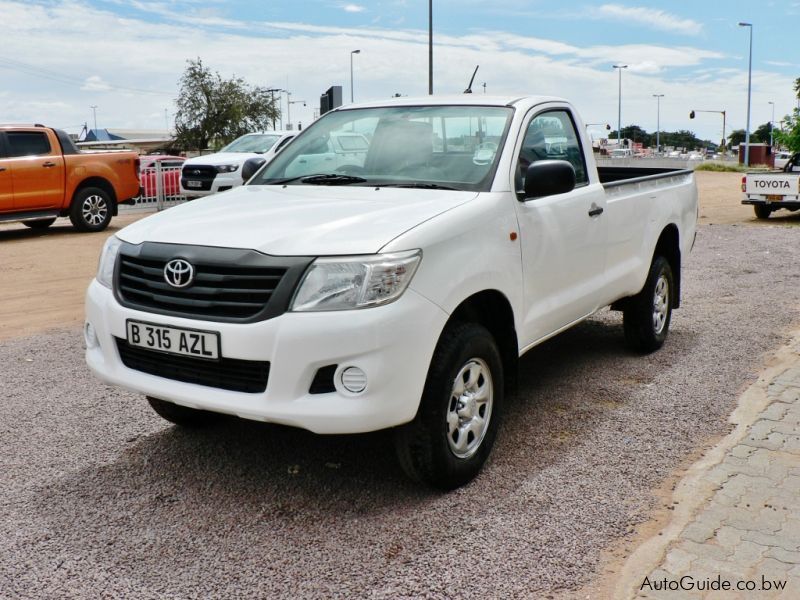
(469, 408)
(660, 304)
(94, 210)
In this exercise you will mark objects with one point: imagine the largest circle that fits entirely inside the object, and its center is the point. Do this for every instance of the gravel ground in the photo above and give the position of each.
(99, 498)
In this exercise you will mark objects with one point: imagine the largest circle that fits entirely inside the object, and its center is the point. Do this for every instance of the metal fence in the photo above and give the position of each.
(161, 187)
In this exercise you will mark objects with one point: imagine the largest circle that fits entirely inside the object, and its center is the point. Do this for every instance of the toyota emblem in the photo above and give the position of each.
(178, 273)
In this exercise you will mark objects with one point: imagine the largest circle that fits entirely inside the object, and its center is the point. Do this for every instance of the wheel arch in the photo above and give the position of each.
(99, 182)
(492, 310)
(669, 247)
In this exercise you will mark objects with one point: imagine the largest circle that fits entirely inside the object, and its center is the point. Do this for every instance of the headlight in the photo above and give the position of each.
(108, 258)
(227, 168)
(356, 282)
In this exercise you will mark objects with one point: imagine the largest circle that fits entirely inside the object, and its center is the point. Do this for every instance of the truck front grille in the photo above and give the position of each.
(229, 285)
(205, 174)
(249, 376)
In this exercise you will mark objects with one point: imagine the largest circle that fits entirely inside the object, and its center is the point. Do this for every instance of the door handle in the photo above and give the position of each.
(595, 210)
(48, 164)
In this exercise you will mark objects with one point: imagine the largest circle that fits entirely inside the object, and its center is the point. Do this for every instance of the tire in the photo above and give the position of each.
(182, 415)
(448, 441)
(39, 223)
(91, 209)
(762, 211)
(647, 315)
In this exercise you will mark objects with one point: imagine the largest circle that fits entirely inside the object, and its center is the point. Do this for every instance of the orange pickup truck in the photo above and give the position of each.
(43, 175)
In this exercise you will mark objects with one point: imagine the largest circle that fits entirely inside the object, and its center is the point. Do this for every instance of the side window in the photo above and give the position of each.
(551, 136)
(28, 143)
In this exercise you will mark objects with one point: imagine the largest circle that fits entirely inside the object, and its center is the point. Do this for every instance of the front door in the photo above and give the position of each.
(563, 245)
(37, 170)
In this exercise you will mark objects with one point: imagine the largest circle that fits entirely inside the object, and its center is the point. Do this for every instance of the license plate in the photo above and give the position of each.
(774, 198)
(174, 340)
(194, 184)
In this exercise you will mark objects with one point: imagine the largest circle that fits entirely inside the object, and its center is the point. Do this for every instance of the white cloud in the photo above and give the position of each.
(307, 59)
(649, 17)
(353, 8)
(95, 83)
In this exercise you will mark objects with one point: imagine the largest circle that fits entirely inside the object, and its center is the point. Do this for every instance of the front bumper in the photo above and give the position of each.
(222, 182)
(392, 344)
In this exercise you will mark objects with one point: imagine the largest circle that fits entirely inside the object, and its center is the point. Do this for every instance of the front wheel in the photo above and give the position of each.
(647, 315)
(91, 209)
(452, 434)
(762, 211)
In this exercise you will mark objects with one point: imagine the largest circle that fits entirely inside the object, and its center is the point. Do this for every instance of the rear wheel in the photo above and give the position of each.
(182, 415)
(647, 315)
(762, 211)
(39, 223)
(452, 435)
(91, 209)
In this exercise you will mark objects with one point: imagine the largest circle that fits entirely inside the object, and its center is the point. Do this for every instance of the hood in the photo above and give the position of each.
(297, 220)
(223, 158)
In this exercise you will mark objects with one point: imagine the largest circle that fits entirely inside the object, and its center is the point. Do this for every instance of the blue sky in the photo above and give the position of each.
(59, 57)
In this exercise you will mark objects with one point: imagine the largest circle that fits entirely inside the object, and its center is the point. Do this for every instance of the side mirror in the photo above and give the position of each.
(251, 165)
(549, 177)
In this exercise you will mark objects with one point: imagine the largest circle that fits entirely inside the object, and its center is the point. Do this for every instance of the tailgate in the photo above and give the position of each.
(772, 184)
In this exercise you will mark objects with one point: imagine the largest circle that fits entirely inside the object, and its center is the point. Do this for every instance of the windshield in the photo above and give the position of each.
(455, 147)
(252, 142)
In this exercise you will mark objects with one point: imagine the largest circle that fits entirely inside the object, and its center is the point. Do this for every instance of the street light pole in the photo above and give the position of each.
(619, 107)
(658, 98)
(351, 72)
(771, 123)
(274, 110)
(749, 88)
(430, 47)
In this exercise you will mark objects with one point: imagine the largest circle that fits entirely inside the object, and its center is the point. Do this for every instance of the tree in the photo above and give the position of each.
(761, 134)
(632, 132)
(736, 137)
(789, 135)
(212, 110)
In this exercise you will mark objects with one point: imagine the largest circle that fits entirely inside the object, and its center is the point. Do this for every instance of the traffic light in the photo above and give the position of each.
(691, 115)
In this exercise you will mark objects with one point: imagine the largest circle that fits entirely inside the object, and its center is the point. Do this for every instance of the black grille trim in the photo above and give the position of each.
(206, 176)
(248, 376)
(323, 380)
(231, 285)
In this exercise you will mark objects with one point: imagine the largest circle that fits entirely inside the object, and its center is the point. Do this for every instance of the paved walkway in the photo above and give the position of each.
(737, 511)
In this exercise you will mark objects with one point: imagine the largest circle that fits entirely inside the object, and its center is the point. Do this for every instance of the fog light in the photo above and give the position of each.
(354, 380)
(90, 336)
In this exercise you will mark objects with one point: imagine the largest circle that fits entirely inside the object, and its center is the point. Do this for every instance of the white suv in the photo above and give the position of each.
(212, 173)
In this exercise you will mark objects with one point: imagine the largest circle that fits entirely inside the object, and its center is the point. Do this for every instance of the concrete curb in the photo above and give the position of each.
(695, 488)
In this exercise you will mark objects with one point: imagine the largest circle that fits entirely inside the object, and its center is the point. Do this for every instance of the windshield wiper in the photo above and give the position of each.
(319, 179)
(419, 185)
(332, 179)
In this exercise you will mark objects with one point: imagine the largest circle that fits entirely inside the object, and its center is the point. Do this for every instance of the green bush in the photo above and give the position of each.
(729, 167)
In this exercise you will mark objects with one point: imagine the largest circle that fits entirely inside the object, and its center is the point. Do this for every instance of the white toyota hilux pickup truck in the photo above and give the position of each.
(397, 291)
(773, 190)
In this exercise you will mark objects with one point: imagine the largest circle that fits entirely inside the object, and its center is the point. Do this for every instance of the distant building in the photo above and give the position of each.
(760, 154)
(140, 140)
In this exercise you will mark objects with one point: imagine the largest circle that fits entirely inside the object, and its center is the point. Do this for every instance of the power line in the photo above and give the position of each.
(28, 69)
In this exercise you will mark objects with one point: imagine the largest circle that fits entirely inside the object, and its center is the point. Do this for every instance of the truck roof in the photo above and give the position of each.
(457, 99)
(18, 125)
